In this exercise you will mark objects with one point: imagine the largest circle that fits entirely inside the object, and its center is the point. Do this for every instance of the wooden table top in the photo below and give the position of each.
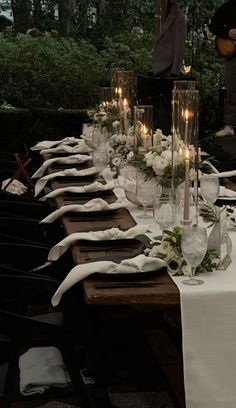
(163, 291)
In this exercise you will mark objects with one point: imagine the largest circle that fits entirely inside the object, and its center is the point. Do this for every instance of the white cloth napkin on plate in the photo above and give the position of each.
(76, 158)
(226, 192)
(223, 192)
(112, 233)
(97, 204)
(47, 144)
(140, 263)
(40, 183)
(93, 187)
(40, 369)
(79, 148)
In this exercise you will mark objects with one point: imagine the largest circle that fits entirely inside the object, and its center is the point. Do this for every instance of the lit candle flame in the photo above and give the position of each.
(186, 114)
(125, 102)
(187, 155)
(119, 91)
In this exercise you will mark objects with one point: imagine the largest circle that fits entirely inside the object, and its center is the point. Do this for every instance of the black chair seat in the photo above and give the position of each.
(20, 331)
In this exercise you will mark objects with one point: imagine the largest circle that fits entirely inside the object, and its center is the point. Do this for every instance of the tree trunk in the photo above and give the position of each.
(161, 12)
(21, 10)
(37, 13)
(66, 11)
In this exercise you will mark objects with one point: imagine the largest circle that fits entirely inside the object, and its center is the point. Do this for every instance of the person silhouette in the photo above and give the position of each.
(170, 44)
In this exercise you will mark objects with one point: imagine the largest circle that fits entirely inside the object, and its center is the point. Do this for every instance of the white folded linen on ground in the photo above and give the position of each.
(76, 158)
(89, 188)
(79, 148)
(40, 183)
(140, 263)
(97, 204)
(47, 144)
(40, 369)
(15, 187)
(110, 234)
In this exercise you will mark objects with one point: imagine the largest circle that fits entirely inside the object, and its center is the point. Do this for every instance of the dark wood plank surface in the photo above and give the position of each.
(164, 292)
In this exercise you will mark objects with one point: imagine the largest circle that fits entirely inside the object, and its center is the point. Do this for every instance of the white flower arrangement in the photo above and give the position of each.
(121, 150)
(157, 162)
(169, 249)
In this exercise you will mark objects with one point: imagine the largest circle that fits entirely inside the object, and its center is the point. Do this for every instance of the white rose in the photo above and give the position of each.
(149, 157)
(167, 155)
(116, 161)
(130, 156)
(116, 124)
(159, 165)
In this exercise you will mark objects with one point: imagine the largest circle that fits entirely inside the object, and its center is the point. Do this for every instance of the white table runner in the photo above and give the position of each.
(208, 315)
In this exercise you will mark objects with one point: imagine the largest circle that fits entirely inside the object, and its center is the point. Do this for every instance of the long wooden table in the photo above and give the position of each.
(163, 295)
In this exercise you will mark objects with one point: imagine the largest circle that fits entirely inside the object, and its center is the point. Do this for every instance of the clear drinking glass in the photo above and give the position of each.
(146, 192)
(210, 188)
(164, 211)
(100, 160)
(194, 247)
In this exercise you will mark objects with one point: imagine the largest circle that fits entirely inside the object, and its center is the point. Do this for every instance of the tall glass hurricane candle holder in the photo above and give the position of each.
(124, 80)
(143, 126)
(185, 147)
(107, 94)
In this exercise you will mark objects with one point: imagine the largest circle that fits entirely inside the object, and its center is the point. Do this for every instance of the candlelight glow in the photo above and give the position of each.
(125, 102)
(119, 91)
(187, 155)
(186, 114)
(145, 130)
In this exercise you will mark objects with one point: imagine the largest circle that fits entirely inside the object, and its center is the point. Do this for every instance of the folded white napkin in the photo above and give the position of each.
(110, 234)
(40, 184)
(226, 192)
(97, 204)
(40, 369)
(47, 144)
(15, 187)
(77, 158)
(79, 148)
(140, 263)
(223, 192)
(96, 186)
(223, 174)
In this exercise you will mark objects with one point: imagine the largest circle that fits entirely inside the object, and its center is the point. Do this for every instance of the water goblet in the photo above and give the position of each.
(164, 212)
(97, 138)
(146, 192)
(194, 248)
(210, 188)
(100, 160)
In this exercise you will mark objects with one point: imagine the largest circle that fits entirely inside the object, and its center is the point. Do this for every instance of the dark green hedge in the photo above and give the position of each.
(25, 126)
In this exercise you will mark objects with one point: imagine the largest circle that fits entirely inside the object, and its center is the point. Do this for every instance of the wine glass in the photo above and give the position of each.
(194, 247)
(210, 188)
(146, 192)
(164, 211)
(97, 138)
(100, 160)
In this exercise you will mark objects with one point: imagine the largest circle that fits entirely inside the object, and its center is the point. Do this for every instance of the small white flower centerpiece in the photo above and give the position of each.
(157, 161)
(169, 249)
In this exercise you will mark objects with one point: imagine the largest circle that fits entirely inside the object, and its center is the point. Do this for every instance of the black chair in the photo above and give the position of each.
(27, 209)
(31, 230)
(34, 259)
(21, 328)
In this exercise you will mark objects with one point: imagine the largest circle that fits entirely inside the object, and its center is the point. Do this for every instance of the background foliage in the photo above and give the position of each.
(51, 71)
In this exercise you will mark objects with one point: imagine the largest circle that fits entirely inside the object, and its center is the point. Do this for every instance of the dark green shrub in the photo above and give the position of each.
(49, 72)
